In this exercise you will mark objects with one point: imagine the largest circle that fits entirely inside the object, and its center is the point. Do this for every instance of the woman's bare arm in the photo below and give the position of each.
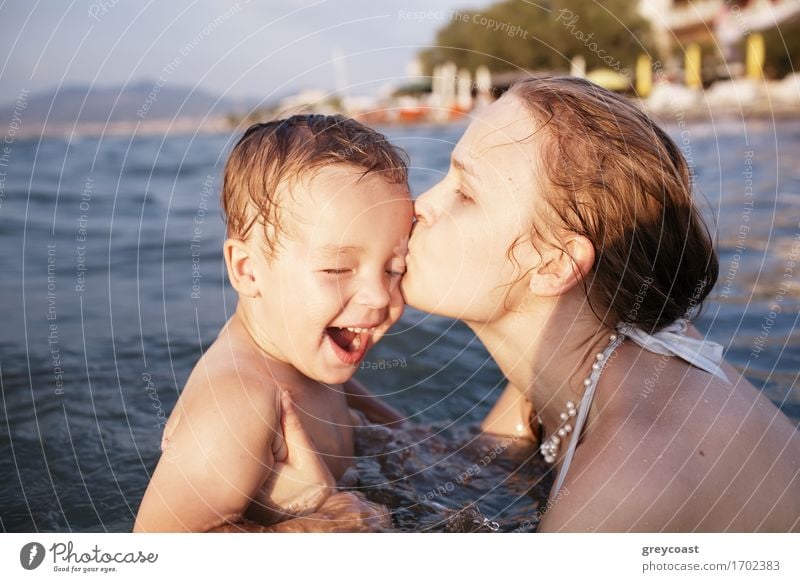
(376, 410)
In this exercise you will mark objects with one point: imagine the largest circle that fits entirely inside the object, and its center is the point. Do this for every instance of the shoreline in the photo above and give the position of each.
(189, 127)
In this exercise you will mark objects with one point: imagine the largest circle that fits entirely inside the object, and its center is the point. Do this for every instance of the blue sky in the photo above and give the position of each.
(240, 49)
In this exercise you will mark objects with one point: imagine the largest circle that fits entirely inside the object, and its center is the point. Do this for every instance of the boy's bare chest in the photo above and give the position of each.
(326, 418)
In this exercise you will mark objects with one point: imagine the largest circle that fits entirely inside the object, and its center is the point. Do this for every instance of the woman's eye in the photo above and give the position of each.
(464, 196)
(392, 273)
(336, 271)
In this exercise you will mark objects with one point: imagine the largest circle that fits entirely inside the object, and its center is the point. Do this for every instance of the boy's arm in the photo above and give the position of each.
(218, 457)
(360, 398)
(311, 485)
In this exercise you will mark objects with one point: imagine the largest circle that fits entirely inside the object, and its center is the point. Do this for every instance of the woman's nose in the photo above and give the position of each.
(424, 209)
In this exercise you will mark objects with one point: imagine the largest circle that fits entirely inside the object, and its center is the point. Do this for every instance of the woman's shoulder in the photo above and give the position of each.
(663, 453)
(628, 474)
(665, 412)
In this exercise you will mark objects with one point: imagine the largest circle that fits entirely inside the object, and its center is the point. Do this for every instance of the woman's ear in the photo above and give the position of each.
(562, 268)
(241, 268)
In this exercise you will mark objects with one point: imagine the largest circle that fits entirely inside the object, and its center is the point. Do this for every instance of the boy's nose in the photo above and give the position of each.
(374, 294)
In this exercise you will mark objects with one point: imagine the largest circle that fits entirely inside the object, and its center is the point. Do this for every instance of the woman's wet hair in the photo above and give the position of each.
(613, 176)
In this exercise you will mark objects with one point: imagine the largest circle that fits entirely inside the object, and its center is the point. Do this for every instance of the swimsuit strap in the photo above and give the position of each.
(583, 412)
(670, 341)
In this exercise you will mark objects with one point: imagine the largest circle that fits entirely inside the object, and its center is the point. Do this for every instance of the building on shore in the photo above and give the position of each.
(726, 35)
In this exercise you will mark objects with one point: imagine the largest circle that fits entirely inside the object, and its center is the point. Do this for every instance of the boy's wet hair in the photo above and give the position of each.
(283, 151)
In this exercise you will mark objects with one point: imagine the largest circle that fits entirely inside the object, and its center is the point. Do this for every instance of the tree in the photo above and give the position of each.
(543, 36)
(782, 45)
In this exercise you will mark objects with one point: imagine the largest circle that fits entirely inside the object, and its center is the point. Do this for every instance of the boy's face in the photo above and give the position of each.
(334, 288)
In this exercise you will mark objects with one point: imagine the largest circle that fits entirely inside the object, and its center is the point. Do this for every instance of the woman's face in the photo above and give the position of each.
(458, 263)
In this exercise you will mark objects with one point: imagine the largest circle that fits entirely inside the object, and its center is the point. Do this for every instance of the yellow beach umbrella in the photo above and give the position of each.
(610, 79)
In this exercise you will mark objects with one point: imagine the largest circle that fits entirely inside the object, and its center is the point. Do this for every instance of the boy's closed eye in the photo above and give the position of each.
(390, 272)
(336, 271)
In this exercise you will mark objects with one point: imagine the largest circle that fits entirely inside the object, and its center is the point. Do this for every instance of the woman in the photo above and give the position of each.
(565, 236)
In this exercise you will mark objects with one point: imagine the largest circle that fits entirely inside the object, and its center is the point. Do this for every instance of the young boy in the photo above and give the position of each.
(318, 216)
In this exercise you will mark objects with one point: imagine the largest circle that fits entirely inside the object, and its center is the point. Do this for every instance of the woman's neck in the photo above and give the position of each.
(546, 353)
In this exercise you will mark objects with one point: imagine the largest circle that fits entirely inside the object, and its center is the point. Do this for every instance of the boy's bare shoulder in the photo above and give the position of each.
(228, 395)
(239, 366)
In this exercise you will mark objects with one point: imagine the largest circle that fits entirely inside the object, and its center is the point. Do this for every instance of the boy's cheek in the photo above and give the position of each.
(397, 305)
(393, 316)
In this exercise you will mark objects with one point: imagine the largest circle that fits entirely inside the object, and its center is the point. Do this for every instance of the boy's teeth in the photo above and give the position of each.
(357, 329)
(356, 342)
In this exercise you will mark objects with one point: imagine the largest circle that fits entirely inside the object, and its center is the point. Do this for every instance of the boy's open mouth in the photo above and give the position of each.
(349, 343)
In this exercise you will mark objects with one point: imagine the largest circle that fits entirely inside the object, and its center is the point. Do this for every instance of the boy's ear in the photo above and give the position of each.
(241, 267)
(560, 271)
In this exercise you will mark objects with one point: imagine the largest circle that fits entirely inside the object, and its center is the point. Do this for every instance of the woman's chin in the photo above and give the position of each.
(423, 299)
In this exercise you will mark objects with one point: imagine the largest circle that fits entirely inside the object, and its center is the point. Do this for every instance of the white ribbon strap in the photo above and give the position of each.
(671, 341)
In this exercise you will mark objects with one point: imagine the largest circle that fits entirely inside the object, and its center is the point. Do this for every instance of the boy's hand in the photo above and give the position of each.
(351, 512)
(302, 482)
(342, 512)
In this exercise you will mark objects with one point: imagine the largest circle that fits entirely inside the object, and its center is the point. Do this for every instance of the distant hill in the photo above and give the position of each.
(142, 101)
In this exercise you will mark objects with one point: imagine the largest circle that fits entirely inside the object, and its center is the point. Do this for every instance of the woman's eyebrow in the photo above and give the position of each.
(462, 167)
